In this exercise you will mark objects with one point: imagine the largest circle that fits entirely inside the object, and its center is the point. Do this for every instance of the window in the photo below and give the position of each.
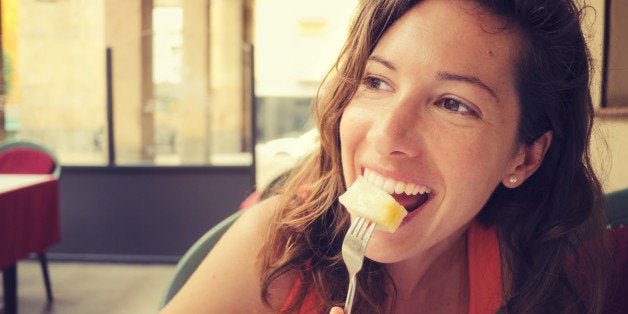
(55, 75)
(181, 77)
(296, 43)
(616, 64)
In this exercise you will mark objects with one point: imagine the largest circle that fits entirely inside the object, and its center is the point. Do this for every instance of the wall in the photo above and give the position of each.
(296, 42)
(610, 152)
(610, 136)
(150, 214)
(617, 89)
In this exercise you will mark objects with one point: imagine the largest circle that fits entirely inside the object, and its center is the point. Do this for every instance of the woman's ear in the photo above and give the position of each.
(528, 161)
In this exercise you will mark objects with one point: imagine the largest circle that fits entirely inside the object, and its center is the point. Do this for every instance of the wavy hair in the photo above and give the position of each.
(542, 225)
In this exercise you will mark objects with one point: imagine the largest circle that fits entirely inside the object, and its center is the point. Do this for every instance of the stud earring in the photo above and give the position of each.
(513, 179)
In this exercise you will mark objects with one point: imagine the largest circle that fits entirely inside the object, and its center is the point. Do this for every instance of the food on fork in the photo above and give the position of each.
(363, 199)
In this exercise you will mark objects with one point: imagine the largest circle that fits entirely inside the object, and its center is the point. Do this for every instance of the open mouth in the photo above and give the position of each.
(411, 202)
(410, 196)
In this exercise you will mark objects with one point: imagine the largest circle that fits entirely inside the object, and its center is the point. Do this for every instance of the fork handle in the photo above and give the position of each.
(350, 295)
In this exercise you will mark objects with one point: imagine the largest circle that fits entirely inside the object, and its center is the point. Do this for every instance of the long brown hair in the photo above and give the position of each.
(557, 214)
(536, 236)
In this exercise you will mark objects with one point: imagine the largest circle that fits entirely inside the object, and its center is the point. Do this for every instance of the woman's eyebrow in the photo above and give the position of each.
(442, 76)
(385, 63)
(467, 79)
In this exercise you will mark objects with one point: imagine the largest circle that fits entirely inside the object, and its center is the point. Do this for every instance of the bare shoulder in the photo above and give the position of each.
(256, 218)
(227, 280)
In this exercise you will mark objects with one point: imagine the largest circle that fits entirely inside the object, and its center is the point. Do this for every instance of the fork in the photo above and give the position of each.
(353, 248)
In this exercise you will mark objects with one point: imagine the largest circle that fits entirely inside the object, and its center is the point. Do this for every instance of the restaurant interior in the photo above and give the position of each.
(132, 132)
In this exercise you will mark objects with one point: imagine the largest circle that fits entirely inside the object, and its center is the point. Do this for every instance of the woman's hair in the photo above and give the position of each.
(542, 225)
(552, 216)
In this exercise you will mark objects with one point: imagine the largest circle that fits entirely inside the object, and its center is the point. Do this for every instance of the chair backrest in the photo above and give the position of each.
(27, 157)
(617, 208)
(195, 255)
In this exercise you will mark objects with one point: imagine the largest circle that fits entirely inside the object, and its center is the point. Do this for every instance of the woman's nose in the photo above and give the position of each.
(396, 131)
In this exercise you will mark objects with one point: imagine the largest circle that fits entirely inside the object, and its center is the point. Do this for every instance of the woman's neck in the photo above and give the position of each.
(436, 282)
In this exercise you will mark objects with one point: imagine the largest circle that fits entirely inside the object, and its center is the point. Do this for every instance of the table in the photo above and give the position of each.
(29, 223)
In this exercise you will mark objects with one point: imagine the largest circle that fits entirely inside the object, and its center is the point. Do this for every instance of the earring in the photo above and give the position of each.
(513, 179)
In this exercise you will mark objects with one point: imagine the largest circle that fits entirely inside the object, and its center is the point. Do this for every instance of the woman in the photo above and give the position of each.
(482, 106)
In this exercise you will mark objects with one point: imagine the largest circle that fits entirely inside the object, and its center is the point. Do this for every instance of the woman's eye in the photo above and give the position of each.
(456, 106)
(375, 83)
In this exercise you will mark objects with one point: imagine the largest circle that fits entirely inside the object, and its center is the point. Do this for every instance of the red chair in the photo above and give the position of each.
(27, 157)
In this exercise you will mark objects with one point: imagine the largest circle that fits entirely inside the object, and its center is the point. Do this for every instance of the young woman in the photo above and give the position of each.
(484, 108)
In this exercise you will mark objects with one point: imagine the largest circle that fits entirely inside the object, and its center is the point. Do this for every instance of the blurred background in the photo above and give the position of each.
(154, 107)
(182, 75)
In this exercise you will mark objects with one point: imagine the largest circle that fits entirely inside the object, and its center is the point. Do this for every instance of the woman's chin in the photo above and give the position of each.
(389, 259)
(383, 253)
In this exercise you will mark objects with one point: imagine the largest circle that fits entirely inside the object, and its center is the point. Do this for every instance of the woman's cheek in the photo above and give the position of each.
(352, 132)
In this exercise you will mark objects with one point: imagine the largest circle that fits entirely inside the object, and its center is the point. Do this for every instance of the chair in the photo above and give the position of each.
(195, 254)
(28, 157)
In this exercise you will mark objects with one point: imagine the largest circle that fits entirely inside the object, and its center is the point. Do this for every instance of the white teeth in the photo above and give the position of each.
(379, 181)
(391, 186)
(399, 187)
(410, 189)
(415, 189)
(368, 175)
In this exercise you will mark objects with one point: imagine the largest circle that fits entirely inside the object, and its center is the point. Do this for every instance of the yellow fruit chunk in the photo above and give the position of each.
(363, 199)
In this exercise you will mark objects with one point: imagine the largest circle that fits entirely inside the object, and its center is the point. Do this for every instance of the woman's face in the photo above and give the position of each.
(436, 111)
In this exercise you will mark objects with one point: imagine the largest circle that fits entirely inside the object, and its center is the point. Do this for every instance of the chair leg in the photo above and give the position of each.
(43, 261)
(9, 282)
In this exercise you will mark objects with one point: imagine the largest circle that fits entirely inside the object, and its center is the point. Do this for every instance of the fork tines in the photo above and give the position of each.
(360, 227)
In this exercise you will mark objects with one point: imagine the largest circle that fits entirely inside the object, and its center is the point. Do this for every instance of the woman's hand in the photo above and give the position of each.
(336, 310)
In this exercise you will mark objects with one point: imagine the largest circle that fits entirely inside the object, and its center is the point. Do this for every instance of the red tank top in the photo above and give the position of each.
(485, 285)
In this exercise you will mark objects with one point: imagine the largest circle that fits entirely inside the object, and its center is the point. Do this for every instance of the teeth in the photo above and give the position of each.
(411, 189)
(399, 187)
(394, 187)
(416, 190)
(378, 181)
(389, 186)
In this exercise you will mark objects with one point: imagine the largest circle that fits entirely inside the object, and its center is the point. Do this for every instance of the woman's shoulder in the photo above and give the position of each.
(228, 278)
(255, 223)
(258, 215)
(248, 231)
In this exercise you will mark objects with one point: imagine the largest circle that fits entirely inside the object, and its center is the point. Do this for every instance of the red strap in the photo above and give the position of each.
(485, 284)
(309, 303)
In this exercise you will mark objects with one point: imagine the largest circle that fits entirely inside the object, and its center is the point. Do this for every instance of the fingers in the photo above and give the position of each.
(336, 310)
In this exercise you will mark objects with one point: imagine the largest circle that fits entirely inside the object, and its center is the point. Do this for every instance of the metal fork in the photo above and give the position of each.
(353, 248)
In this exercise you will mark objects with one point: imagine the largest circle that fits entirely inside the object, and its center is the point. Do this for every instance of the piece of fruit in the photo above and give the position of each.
(366, 200)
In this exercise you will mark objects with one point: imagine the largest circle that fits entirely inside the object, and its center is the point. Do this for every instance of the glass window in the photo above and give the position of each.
(616, 91)
(296, 44)
(181, 78)
(55, 76)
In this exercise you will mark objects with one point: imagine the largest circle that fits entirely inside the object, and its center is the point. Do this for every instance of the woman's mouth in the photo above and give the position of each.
(411, 196)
